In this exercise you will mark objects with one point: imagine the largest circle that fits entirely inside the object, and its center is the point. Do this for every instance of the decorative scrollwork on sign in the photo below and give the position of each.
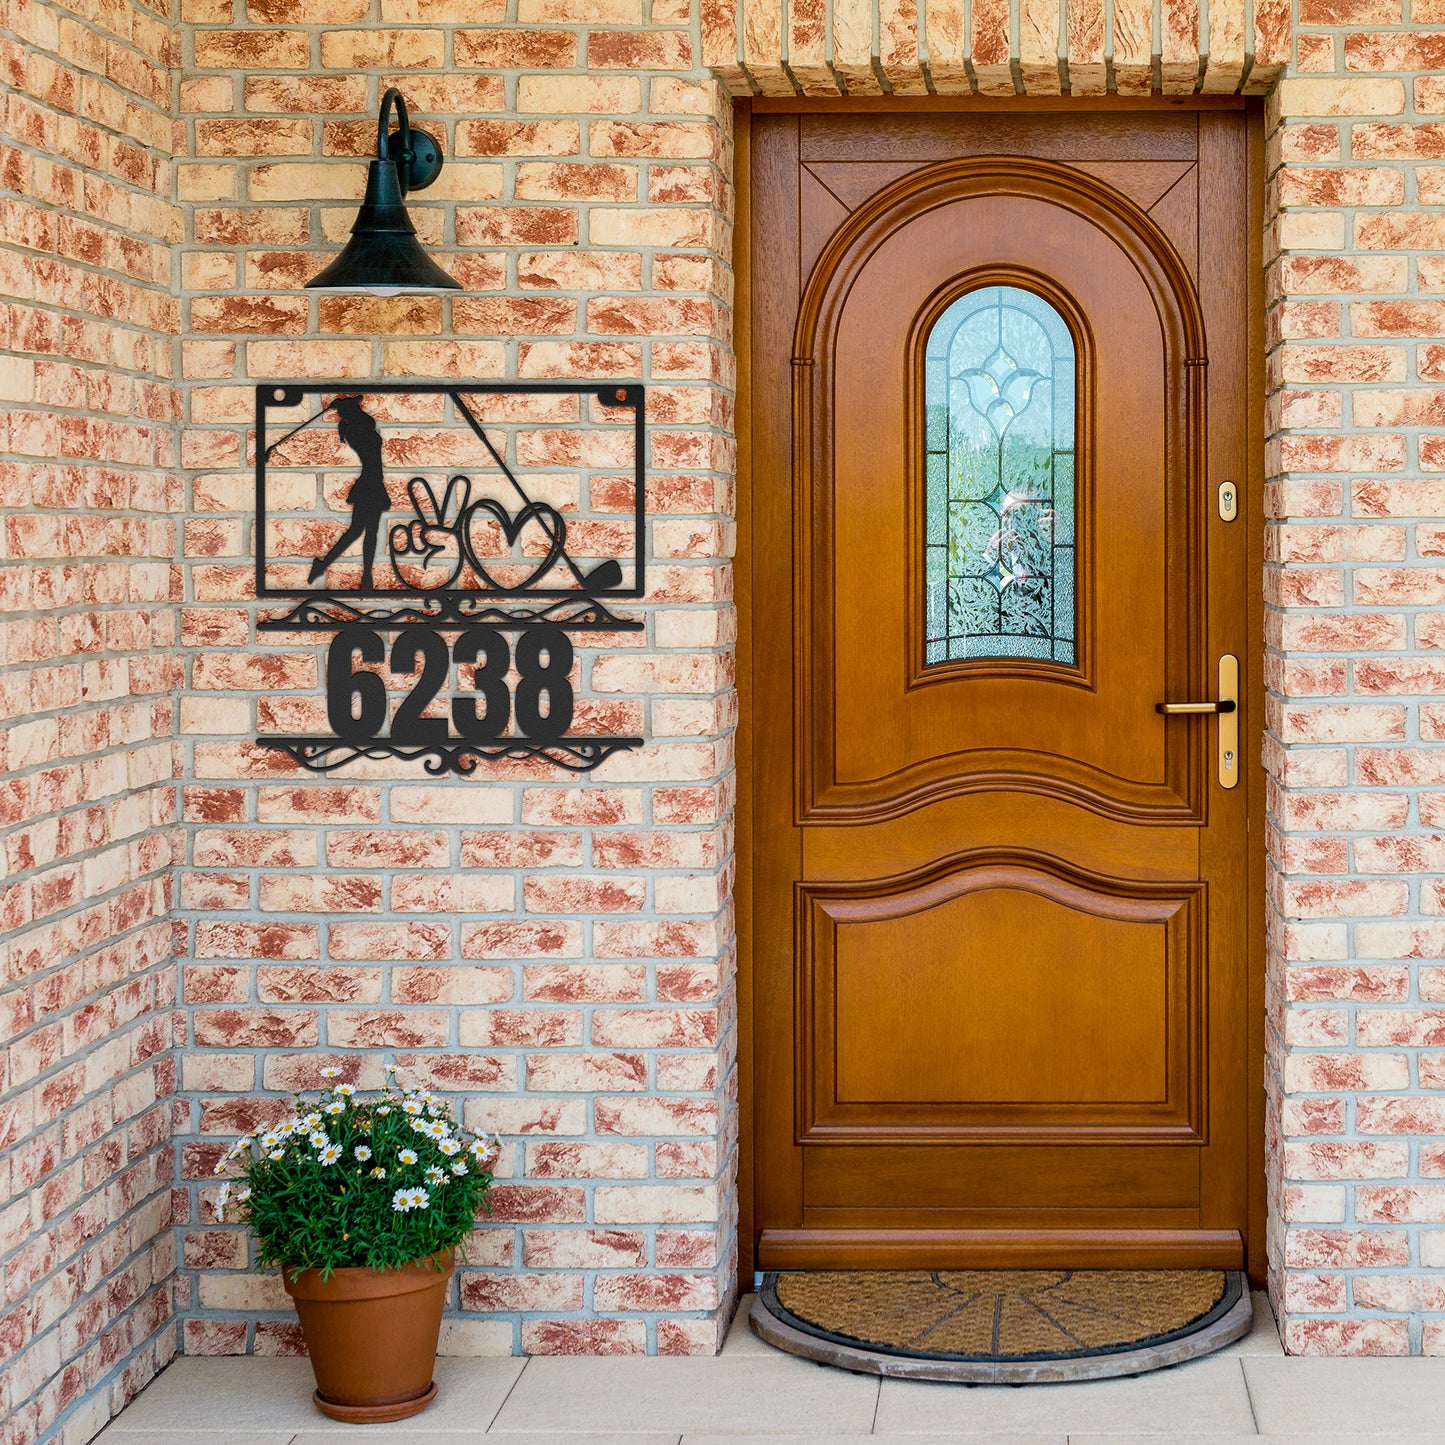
(585, 616)
(578, 755)
(472, 559)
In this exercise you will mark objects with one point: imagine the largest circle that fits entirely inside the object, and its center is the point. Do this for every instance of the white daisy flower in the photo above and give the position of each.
(311, 1120)
(289, 1127)
(345, 1090)
(319, 1139)
(419, 1125)
(392, 1068)
(385, 1109)
(277, 1154)
(435, 1176)
(378, 1172)
(270, 1140)
(437, 1129)
(412, 1106)
(407, 1156)
(331, 1073)
(459, 1167)
(362, 1152)
(407, 1199)
(450, 1146)
(242, 1195)
(331, 1154)
(220, 1166)
(335, 1107)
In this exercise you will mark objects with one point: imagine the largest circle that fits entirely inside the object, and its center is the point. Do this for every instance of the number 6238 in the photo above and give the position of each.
(356, 704)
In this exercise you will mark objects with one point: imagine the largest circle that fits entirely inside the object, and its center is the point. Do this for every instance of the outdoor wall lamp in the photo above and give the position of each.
(383, 255)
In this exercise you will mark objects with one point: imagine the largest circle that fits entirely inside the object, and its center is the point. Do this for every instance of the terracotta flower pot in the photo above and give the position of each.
(372, 1336)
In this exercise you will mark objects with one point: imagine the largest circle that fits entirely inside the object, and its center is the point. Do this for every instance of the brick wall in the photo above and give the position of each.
(997, 48)
(556, 953)
(88, 499)
(1357, 772)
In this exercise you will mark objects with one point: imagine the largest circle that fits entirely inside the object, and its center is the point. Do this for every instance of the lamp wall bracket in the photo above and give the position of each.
(416, 155)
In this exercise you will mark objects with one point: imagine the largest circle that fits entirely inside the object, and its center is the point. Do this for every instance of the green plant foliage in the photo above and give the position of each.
(349, 1180)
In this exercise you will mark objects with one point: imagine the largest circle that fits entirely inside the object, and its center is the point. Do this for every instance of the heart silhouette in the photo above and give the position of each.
(538, 514)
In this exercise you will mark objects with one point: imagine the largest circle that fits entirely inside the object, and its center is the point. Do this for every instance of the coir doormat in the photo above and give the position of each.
(1002, 1326)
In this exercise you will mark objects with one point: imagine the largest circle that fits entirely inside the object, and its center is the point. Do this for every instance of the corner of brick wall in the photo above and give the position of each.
(1354, 582)
(555, 954)
(89, 497)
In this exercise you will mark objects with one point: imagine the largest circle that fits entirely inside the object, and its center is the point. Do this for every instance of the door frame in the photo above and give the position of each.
(1253, 516)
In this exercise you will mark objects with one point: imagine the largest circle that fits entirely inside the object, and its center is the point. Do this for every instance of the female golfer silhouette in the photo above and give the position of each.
(368, 496)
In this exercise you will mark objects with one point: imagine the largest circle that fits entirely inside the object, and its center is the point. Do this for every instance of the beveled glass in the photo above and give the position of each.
(999, 393)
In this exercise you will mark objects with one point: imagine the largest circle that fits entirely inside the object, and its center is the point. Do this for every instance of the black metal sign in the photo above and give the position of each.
(481, 528)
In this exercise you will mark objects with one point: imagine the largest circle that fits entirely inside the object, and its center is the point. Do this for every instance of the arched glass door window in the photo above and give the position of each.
(1000, 396)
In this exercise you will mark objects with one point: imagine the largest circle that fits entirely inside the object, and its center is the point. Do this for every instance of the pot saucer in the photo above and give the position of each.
(375, 1414)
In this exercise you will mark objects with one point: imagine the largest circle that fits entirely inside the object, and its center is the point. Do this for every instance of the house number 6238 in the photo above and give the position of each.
(356, 700)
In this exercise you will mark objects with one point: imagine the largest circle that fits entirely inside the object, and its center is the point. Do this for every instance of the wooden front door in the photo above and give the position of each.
(1000, 936)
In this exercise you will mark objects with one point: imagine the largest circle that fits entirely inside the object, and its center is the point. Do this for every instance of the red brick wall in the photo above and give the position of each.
(1354, 582)
(89, 498)
(556, 952)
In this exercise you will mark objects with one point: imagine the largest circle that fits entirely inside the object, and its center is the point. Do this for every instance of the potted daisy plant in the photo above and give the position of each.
(363, 1202)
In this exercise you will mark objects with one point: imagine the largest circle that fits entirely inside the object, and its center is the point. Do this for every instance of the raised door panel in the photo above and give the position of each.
(999, 999)
(884, 730)
(961, 1006)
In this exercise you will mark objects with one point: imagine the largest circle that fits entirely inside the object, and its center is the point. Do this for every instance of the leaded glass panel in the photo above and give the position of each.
(999, 384)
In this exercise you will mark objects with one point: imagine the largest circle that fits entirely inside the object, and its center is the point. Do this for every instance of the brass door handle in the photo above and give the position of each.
(1174, 709)
(1226, 707)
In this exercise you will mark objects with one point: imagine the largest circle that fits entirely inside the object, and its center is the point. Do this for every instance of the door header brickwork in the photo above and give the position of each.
(994, 48)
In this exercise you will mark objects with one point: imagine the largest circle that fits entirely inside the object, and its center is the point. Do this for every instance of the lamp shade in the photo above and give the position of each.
(383, 255)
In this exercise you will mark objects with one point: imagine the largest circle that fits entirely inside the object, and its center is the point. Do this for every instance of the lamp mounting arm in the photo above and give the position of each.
(417, 157)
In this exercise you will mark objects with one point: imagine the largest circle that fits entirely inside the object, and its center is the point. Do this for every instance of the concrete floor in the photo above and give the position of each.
(1242, 1393)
